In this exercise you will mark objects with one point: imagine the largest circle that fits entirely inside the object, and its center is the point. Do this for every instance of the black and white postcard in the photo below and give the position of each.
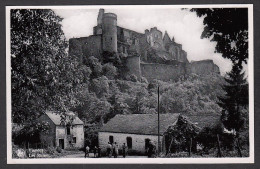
(130, 84)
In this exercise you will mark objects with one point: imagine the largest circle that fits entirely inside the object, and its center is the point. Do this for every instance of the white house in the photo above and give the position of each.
(135, 130)
(60, 135)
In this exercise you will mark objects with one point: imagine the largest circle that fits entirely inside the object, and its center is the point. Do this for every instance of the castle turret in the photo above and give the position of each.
(166, 39)
(97, 30)
(100, 16)
(109, 32)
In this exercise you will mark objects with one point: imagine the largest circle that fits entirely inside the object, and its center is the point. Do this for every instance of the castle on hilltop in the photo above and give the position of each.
(150, 54)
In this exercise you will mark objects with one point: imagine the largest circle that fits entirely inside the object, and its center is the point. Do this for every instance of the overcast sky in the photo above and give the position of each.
(183, 25)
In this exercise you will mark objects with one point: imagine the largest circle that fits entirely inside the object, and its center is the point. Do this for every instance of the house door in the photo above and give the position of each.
(147, 141)
(61, 143)
(111, 139)
(129, 142)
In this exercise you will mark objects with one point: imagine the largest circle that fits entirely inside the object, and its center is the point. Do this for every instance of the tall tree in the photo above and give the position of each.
(42, 74)
(229, 28)
(235, 100)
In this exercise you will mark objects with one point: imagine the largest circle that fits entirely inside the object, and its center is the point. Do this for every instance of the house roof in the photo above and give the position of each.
(57, 119)
(146, 124)
(207, 120)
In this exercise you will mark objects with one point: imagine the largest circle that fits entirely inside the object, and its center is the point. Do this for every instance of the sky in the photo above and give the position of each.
(183, 25)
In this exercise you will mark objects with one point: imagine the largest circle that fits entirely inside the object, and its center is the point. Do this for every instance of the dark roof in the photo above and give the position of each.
(146, 124)
(208, 120)
(57, 119)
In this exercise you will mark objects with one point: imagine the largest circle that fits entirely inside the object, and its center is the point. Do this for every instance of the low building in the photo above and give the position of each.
(66, 137)
(135, 130)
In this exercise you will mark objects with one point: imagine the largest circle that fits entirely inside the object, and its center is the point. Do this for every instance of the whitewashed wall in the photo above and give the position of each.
(138, 141)
(77, 131)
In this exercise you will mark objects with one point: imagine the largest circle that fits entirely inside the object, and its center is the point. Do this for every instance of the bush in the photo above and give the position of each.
(50, 150)
(133, 78)
(144, 80)
(58, 149)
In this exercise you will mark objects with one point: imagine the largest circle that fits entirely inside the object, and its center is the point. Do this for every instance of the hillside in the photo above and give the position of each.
(108, 94)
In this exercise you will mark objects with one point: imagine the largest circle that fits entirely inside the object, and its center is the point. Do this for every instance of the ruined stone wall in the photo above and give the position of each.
(204, 67)
(162, 72)
(87, 46)
(154, 38)
(128, 40)
(133, 65)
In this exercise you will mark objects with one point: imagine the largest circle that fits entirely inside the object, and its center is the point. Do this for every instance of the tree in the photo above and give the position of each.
(99, 86)
(109, 71)
(229, 28)
(178, 136)
(43, 76)
(99, 109)
(95, 66)
(235, 101)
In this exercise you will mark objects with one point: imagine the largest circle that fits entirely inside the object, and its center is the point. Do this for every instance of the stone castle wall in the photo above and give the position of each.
(133, 65)
(204, 67)
(86, 47)
(162, 72)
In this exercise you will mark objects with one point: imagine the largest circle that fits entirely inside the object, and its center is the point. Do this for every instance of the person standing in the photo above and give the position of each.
(99, 152)
(95, 151)
(115, 150)
(124, 149)
(87, 151)
(150, 150)
(109, 149)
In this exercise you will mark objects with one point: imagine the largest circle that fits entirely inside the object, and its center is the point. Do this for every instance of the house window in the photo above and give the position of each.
(111, 139)
(68, 130)
(74, 139)
(147, 143)
(129, 142)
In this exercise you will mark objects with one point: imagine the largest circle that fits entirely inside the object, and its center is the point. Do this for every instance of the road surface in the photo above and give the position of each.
(91, 155)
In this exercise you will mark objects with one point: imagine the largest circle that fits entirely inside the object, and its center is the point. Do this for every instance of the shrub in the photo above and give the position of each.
(144, 80)
(50, 150)
(133, 78)
(58, 149)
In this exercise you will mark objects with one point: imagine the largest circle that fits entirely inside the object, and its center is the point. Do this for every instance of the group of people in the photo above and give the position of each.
(113, 150)
(96, 150)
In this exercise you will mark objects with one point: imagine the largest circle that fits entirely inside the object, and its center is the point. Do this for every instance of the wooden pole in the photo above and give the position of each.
(190, 147)
(238, 148)
(219, 150)
(158, 120)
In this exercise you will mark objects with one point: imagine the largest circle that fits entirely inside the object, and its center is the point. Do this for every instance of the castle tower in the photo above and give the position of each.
(100, 16)
(97, 30)
(109, 32)
(166, 39)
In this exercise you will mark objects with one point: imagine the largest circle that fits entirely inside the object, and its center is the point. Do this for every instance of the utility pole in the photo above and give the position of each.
(158, 120)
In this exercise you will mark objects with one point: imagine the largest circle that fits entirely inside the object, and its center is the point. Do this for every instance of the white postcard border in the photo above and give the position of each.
(249, 159)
